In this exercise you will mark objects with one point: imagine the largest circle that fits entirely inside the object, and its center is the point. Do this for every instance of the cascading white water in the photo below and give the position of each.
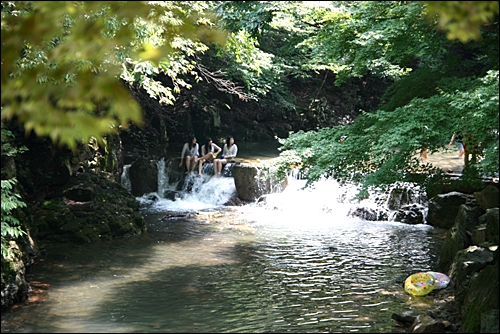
(195, 194)
(125, 179)
(326, 198)
(324, 203)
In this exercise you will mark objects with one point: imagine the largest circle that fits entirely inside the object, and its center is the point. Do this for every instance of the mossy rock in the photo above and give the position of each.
(88, 209)
(481, 298)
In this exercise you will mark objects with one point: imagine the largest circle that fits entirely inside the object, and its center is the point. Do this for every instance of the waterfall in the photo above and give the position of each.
(185, 193)
(324, 201)
(189, 193)
(125, 179)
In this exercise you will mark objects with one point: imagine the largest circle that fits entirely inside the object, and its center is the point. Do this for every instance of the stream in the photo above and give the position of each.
(295, 263)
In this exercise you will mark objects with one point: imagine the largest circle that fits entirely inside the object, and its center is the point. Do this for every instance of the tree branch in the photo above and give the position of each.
(223, 85)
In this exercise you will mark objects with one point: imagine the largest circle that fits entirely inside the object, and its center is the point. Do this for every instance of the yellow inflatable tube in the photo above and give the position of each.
(420, 284)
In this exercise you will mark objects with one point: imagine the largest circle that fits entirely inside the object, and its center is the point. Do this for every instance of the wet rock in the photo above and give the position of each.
(443, 209)
(410, 214)
(170, 194)
(370, 214)
(250, 186)
(407, 317)
(235, 201)
(404, 194)
(427, 324)
(143, 175)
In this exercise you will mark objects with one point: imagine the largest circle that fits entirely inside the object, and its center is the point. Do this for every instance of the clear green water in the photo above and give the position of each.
(228, 275)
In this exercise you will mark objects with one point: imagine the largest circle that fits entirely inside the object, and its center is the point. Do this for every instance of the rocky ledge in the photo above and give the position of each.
(469, 256)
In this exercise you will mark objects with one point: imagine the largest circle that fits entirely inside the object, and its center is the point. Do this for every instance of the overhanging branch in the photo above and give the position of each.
(217, 79)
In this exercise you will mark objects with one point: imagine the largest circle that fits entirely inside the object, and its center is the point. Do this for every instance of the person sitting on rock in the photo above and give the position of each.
(228, 153)
(208, 152)
(191, 151)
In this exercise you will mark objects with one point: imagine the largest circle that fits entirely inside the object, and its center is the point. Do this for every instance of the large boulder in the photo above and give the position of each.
(403, 194)
(467, 263)
(89, 208)
(367, 213)
(143, 175)
(443, 208)
(491, 220)
(250, 185)
(14, 285)
(487, 198)
(459, 236)
(480, 299)
(468, 217)
(410, 214)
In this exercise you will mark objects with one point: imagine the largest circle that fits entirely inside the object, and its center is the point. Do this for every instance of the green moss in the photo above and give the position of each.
(482, 297)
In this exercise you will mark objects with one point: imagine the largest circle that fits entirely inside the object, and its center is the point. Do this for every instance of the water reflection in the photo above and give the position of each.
(219, 277)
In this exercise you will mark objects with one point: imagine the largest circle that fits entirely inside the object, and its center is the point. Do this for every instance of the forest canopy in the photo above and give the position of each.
(441, 84)
(62, 61)
(66, 67)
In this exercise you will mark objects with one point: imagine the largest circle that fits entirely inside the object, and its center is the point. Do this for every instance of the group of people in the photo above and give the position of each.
(209, 153)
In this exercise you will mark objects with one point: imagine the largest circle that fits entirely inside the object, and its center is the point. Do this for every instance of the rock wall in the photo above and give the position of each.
(469, 256)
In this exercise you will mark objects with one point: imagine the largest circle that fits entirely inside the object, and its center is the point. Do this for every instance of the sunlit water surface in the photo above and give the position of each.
(295, 264)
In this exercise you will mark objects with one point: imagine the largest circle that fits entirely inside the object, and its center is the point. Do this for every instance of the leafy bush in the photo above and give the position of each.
(11, 228)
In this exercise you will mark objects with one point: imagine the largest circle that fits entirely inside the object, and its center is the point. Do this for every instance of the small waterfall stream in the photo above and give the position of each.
(194, 193)
(188, 194)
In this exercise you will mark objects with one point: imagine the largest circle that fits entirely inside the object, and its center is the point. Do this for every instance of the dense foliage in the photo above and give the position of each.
(381, 147)
(11, 200)
(61, 69)
(440, 87)
(61, 61)
(11, 228)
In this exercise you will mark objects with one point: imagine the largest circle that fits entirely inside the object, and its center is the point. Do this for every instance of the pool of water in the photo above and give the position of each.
(232, 271)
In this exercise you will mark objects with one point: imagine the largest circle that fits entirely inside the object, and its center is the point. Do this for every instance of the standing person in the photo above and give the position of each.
(423, 153)
(460, 144)
(191, 151)
(423, 148)
(228, 152)
(208, 152)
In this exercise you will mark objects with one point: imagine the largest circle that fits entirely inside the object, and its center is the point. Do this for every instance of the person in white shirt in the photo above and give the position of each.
(191, 151)
(228, 153)
(208, 152)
